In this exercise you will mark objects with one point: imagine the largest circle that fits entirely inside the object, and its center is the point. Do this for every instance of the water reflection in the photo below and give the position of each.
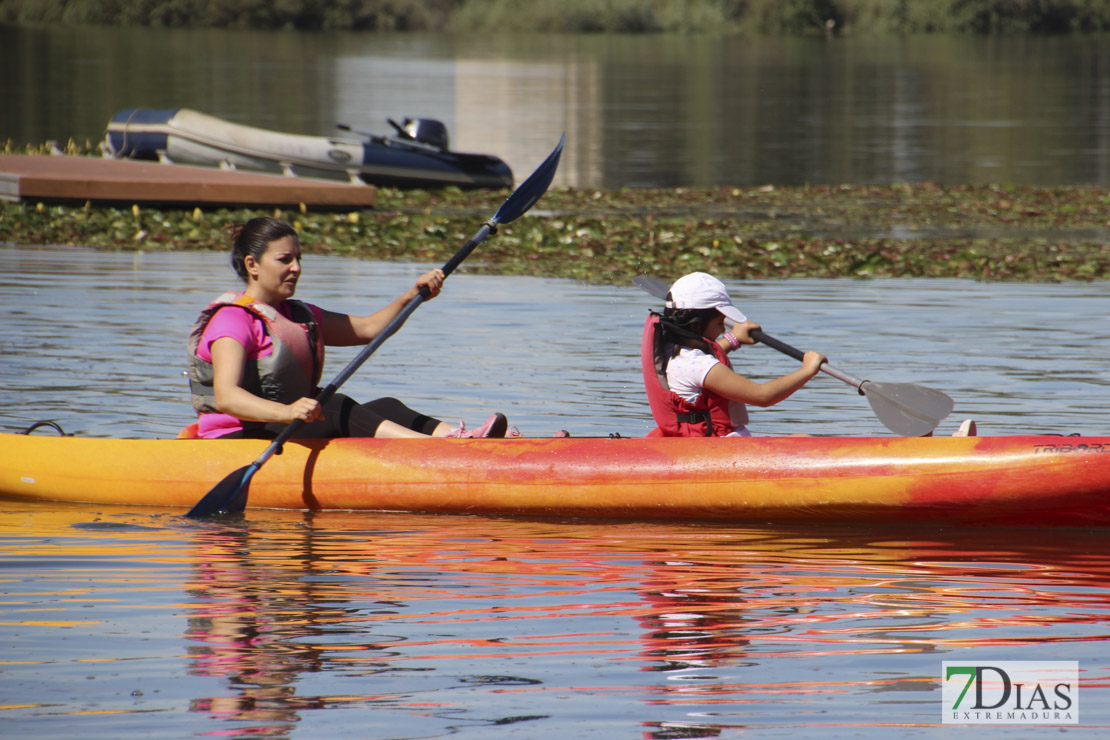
(243, 628)
(492, 622)
(652, 110)
(425, 626)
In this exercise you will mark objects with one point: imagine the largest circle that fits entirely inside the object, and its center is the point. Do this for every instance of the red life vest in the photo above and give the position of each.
(677, 417)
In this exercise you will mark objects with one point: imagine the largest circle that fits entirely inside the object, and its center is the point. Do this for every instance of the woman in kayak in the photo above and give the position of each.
(256, 357)
(692, 388)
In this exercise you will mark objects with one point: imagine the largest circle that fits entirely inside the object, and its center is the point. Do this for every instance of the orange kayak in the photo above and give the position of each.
(1020, 479)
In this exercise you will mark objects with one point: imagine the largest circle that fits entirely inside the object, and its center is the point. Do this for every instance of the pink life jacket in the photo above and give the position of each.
(677, 417)
(290, 372)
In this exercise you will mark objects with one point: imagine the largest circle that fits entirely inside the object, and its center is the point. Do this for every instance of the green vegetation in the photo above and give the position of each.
(583, 16)
(982, 232)
(381, 15)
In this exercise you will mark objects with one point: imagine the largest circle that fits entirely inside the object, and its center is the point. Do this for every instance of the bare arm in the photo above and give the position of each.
(344, 331)
(724, 382)
(229, 359)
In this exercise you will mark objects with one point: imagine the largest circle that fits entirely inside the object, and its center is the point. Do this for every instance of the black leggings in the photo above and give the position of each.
(345, 417)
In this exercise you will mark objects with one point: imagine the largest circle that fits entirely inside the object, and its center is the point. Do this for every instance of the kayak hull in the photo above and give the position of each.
(1012, 480)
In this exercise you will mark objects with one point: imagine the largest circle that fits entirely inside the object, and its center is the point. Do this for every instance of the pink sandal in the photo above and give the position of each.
(495, 426)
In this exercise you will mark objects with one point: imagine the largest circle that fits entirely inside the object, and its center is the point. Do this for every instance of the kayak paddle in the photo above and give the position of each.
(906, 409)
(229, 496)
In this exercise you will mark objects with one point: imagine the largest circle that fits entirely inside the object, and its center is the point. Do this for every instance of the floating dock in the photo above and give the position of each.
(63, 178)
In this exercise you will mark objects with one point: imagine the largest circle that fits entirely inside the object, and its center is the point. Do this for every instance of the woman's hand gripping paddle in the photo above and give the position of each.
(229, 496)
(906, 409)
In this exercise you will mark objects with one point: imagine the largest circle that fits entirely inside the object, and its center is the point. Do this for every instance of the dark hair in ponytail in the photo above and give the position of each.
(254, 238)
(686, 324)
(692, 320)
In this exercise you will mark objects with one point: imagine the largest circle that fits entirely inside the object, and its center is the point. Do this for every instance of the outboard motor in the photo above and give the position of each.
(427, 131)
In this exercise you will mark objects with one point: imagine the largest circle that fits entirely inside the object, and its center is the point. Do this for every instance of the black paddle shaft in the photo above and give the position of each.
(904, 408)
(786, 349)
(229, 496)
(490, 227)
(522, 199)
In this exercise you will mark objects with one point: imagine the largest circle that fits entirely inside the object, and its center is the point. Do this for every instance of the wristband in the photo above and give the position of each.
(732, 340)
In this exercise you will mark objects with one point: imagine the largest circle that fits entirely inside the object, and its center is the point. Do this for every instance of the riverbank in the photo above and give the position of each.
(830, 17)
(980, 232)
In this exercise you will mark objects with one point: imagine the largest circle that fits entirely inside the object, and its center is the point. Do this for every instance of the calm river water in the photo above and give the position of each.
(637, 110)
(134, 622)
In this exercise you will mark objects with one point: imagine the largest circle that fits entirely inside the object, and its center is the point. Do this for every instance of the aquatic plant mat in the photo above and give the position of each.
(925, 230)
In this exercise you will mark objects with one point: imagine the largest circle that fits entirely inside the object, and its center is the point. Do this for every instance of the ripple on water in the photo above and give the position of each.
(416, 626)
(552, 354)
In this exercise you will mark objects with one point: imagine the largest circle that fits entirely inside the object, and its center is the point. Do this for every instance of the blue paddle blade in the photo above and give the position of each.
(524, 197)
(226, 495)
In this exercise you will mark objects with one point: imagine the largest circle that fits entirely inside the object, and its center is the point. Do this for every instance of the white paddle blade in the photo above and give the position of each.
(907, 409)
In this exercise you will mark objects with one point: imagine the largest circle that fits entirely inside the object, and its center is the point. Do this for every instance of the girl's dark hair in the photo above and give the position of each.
(693, 320)
(253, 238)
(686, 323)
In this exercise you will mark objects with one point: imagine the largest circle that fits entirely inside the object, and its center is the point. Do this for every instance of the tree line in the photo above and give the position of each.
(581, 16)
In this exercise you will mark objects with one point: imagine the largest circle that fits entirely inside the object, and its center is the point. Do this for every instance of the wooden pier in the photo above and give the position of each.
(63, 178)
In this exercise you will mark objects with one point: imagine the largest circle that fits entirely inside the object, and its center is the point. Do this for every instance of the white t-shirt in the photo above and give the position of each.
(686, 373)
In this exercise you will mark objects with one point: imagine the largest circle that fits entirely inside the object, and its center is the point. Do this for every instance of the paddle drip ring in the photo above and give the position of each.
(51, 424)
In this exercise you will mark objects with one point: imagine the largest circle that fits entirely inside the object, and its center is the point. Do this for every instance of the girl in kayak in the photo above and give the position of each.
(691, 386)
(256, 357)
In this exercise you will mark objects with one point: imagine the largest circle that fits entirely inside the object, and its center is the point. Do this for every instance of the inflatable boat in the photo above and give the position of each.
(1034, 480)
(416, 156)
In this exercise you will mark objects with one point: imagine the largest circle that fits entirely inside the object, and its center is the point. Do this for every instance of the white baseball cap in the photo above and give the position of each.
(701, 290)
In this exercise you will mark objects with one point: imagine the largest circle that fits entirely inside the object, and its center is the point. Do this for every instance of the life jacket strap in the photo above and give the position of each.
(696, 417)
